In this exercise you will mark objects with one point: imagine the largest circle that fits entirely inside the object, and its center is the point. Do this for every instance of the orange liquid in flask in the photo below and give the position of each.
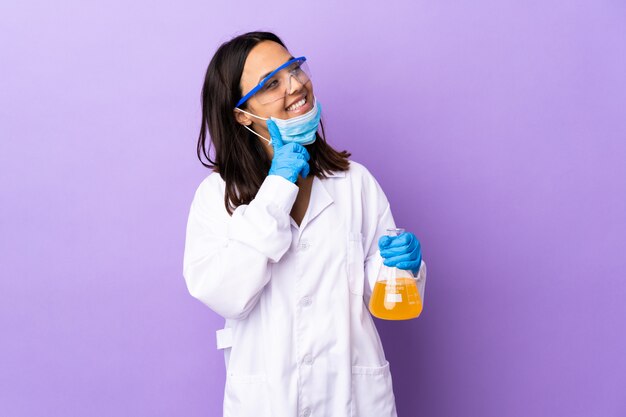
(396, 302)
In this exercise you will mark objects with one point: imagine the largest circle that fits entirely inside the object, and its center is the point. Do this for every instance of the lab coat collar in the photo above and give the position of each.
(319, 200)
(334, 174)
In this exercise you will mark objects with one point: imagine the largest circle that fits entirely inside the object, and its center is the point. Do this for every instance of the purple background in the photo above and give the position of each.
(496, 128)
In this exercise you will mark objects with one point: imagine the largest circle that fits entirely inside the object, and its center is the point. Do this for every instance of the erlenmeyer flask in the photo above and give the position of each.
(395, 295)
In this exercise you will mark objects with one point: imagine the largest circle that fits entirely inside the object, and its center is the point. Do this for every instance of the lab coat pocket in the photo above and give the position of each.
(355, 262)
(246, 395)
(372, 392)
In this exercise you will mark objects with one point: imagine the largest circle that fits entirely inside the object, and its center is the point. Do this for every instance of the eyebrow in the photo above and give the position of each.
(268, 73)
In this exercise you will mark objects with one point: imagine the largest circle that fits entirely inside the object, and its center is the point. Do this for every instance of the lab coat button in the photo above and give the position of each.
(308, 359)
(306, 300)
(306, 412)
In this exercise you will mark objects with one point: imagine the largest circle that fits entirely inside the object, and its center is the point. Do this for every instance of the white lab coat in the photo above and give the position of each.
(299, 339)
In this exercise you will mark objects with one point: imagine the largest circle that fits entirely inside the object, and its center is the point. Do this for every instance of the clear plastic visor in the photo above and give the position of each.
(280, 83)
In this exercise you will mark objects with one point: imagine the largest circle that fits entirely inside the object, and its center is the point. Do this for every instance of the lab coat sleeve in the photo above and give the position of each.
(227, 260)
(377, 219)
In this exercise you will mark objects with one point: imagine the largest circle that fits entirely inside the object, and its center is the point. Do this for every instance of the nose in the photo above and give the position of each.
(294, 84)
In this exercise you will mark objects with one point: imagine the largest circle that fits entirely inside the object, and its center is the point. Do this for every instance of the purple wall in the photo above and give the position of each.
(497, 129)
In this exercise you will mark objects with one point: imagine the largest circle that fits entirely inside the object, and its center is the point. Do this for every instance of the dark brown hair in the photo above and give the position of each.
(240, 158)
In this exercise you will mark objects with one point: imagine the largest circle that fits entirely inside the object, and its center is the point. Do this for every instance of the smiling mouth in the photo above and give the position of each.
(298, 105)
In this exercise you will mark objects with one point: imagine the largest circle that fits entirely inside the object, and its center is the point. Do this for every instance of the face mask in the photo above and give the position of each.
(300, 129)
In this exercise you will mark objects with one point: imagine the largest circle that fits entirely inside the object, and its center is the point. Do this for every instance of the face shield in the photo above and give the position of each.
(279, 83)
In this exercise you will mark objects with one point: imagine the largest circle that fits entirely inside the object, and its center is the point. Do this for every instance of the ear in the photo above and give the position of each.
(242, 118)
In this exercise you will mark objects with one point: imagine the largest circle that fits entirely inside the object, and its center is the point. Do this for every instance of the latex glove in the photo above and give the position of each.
(403, 251)
(289, 160)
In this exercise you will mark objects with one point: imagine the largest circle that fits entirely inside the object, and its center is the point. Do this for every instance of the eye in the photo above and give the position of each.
(270, 84)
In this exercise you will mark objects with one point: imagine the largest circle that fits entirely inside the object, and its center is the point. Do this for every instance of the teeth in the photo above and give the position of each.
(297, 105)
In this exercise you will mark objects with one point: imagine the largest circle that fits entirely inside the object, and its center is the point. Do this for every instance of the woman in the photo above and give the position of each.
(283, 242)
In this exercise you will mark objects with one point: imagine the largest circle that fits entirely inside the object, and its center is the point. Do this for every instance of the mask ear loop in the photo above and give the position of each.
(269, 141)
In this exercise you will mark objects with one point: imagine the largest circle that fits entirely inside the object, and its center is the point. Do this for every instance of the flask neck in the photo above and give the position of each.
(396, 231)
